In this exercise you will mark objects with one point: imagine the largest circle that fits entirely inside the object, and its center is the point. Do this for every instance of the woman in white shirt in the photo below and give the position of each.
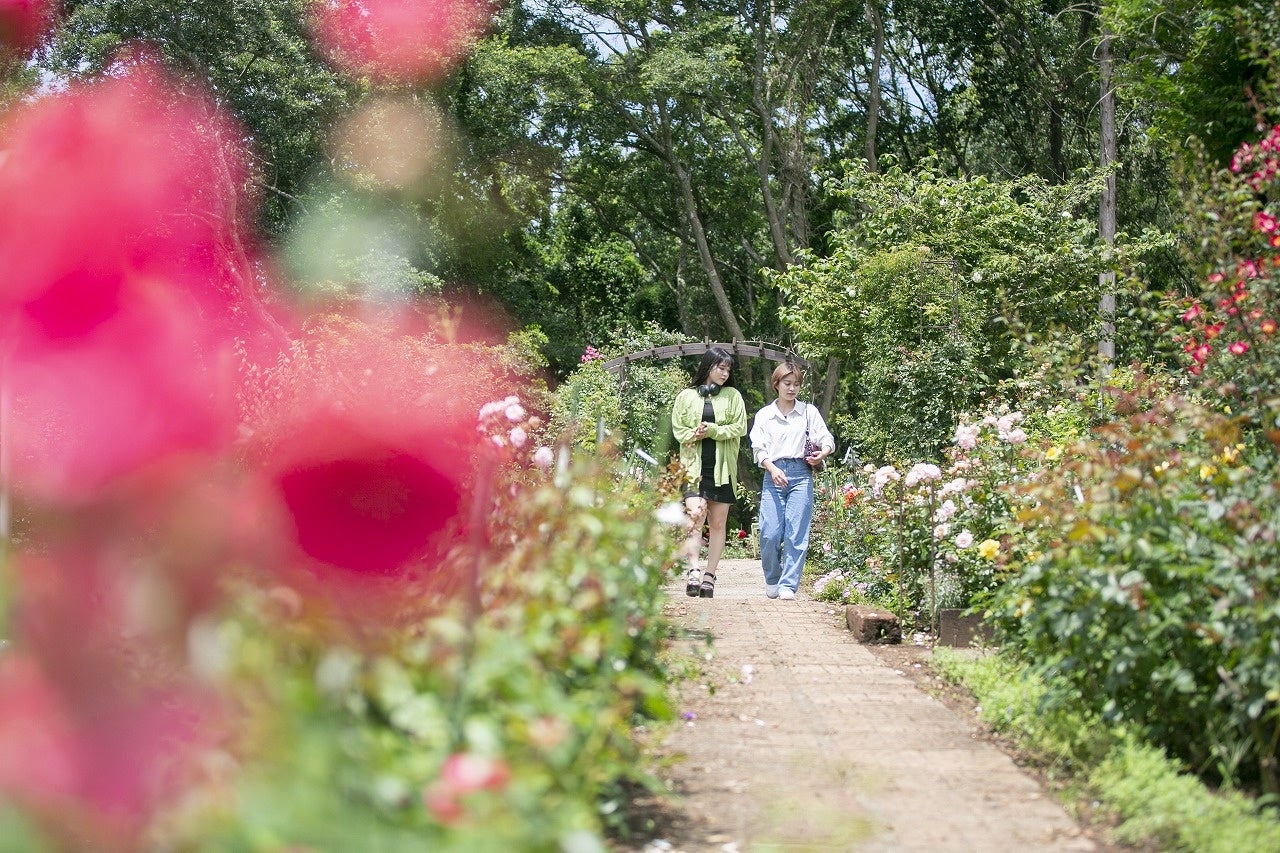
(789, 440)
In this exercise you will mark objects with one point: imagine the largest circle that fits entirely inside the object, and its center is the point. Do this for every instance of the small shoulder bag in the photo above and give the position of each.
(809, 447)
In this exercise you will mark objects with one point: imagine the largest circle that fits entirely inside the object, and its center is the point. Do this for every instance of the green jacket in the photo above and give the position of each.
(728, 430)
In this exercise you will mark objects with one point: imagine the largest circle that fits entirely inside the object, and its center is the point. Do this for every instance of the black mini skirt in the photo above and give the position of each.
(708, 489)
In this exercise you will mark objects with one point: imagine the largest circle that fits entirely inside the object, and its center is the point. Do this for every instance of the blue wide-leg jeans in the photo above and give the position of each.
(785, 514)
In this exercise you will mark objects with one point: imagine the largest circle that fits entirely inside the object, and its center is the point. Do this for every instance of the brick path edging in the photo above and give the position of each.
(810, 742)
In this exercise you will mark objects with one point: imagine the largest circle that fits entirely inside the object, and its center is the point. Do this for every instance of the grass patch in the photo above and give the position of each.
(1154, 801)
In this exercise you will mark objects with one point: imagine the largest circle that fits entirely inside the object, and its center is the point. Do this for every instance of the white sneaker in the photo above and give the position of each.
(787, 594)
(771, 590)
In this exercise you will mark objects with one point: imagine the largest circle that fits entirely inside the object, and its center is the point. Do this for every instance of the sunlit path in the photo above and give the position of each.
(810, 743)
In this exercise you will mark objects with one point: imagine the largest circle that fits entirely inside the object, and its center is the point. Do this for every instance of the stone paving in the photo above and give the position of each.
(809, 742)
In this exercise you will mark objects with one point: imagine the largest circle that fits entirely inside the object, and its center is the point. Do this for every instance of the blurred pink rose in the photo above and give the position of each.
(95, 723)
(463, 773)
(104, 760)
(543, 458)
(36, 738)
(398, 40)
(23, 22)
(119, 201)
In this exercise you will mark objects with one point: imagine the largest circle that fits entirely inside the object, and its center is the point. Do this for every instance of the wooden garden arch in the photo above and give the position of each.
(754, 349)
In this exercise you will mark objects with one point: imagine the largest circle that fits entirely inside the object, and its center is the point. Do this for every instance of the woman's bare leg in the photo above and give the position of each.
(696, 508)
(717, 521)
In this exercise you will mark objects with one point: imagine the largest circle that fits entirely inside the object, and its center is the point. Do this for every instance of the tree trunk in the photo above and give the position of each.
(1107, 209)
(762, 102)
(664, 148)
(708, 261)
(777, 229)
(830, 377)
(873, 93)
(681, 290)
(1057, 157)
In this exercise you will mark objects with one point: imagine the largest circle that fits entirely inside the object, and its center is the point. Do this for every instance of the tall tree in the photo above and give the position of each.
(254, 55)
(1207, 66)
(688, 129)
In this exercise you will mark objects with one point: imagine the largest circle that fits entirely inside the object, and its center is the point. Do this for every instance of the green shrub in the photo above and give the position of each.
(923, 279)
(633, 407)
(586, 402)
(1148, 589)
(1155, 802)
(1012, 698)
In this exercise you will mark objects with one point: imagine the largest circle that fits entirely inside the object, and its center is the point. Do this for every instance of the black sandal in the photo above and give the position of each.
(693, 586)
(707, 589)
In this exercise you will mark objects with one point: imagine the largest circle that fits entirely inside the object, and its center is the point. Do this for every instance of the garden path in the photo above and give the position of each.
(809, 742)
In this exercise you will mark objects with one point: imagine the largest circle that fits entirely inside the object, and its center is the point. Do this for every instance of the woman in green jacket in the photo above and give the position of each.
(709, 420)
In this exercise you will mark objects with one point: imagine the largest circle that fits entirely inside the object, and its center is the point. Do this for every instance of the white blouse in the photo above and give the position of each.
(778, 436)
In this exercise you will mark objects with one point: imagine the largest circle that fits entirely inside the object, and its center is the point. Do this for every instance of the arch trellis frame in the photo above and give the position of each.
(752, 349)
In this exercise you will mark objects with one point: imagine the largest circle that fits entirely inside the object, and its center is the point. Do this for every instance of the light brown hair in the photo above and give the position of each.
(784, 370)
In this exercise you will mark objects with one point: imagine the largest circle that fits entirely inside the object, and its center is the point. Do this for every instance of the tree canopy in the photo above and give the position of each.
(614, 165)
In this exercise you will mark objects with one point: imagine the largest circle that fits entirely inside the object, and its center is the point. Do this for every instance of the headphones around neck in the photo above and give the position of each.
(709, 390)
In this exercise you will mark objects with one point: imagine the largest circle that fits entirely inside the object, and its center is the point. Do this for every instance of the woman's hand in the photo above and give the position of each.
(700, 431)
(779, 478)
(815, 459)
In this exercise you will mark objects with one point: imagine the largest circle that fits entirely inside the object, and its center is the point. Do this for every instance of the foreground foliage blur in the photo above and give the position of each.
(296, 562)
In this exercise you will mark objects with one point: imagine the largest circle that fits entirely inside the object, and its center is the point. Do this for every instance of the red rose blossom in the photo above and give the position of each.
(362, 498)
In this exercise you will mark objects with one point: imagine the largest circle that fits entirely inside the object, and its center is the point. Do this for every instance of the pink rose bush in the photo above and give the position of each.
(906, 540)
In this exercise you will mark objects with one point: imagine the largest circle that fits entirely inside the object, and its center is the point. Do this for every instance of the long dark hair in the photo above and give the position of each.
(710, 359)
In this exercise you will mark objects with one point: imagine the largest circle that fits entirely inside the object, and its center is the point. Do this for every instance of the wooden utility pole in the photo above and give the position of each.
(1107, 209)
